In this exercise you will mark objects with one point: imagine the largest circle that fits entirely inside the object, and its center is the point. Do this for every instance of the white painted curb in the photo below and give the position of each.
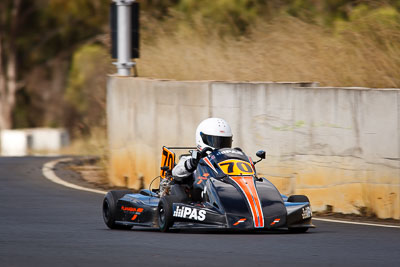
(358, 223)
(48, 172)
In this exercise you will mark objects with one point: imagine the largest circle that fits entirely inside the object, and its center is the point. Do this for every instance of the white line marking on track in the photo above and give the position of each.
(48, 172)
(358, 223)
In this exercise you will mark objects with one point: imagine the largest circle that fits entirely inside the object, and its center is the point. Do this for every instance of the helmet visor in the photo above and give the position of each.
(217, 141)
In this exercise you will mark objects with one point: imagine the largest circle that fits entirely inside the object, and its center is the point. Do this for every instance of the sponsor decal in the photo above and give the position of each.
(230, 151)
(275, 221)
(190, 213)
(240, 221)
(307, 213)
(201, 179)
(128, 208)
(137, 211)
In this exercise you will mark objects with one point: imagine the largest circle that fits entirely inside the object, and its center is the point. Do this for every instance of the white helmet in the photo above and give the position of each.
(213, 132)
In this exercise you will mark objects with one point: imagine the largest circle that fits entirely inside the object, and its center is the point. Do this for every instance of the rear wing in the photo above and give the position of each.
(168, 159)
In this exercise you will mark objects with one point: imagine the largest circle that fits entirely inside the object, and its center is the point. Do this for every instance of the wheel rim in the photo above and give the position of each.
(161, 216)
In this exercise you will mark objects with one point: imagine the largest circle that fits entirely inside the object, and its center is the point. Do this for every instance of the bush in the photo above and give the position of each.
(86, 90)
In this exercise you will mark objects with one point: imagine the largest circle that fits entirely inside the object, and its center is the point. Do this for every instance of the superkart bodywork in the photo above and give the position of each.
(225, 192)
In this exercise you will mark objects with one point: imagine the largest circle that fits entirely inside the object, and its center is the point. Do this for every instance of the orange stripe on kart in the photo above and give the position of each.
(258, 202)
(246, 184)
(210, 164)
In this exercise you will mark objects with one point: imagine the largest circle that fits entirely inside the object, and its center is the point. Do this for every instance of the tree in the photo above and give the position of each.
(9, 15)
(35, 33)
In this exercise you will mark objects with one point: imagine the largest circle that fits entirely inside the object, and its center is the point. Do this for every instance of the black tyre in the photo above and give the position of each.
(165, 218)
(110, 209)
(298, 198)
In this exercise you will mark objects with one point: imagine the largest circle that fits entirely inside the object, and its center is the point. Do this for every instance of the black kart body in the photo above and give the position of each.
(223, 193)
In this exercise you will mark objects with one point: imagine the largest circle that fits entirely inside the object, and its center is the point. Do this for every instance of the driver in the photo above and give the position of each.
(211, 133)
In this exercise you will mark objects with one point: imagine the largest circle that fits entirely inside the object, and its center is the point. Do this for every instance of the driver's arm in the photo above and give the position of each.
(186, 166)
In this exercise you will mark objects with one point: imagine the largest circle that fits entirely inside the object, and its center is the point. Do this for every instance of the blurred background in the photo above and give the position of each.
(54, 54)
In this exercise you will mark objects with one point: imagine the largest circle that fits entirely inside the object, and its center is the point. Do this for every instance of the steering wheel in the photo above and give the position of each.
(205, 150)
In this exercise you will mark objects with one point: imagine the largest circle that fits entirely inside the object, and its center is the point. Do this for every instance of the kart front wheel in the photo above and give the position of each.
(165, 218)
(298, 198)
(110, 209)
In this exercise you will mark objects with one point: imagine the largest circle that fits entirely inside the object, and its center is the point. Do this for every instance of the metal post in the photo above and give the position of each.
(124, 63)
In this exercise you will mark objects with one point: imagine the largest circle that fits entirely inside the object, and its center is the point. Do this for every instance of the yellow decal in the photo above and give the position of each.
(167, 159)
(236, 167)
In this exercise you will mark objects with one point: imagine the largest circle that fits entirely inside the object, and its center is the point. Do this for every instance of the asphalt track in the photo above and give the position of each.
(46, 224)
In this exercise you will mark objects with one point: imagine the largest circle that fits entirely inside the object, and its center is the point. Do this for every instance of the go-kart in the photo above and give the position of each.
(224, 192)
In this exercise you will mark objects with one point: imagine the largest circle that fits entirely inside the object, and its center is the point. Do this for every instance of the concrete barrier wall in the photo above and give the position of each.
(339, 146)
(23, 142)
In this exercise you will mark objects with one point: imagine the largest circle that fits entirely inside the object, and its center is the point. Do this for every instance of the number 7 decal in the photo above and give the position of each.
(230, 166)
(236, 167)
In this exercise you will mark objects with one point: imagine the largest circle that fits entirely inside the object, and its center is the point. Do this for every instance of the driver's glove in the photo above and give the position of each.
(192, 162)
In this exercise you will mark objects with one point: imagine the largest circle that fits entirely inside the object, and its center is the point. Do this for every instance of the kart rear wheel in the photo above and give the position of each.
(110, 209)
(165, 218)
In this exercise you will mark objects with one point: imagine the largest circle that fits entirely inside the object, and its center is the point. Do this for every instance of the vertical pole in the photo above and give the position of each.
(124, 63)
